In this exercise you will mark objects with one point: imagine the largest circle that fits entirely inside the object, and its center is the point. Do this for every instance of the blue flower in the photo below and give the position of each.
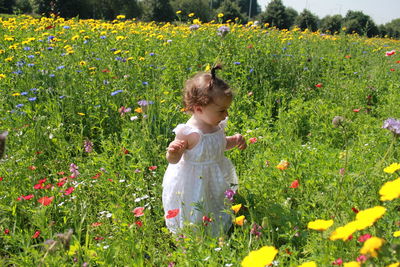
(18, 72)
(116, 92)
(27, 48)
(144, 103)
(33, 90)
(50, 48)
(51, 37)
(152, 54)
(61, 96)
(32, 98)
(19, 105)
(66, 27)
(145, 83)
(24, 93)
(31, 56)
(103, 37)
(52, 75)
(60, 67)
(30, 65)
(236, 63)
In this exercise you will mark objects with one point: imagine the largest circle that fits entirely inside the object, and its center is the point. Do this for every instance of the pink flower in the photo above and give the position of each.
(362, 258)
(69, 191)
(252, 140)
(172, 213)
(294, 184)
(152, 168)
(390, 53)
(138, 211)
(364, 238)
(338, 261)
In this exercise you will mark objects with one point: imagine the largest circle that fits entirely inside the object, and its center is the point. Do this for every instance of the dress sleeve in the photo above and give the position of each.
(183, 129)
(223, 123)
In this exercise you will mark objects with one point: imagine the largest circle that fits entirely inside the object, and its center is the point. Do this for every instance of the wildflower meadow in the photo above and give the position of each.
(87, 109)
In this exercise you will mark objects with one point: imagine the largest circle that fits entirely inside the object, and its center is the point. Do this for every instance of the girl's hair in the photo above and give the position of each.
(201, 89)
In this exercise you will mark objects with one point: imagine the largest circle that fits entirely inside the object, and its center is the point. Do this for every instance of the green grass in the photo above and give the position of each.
(274, 75)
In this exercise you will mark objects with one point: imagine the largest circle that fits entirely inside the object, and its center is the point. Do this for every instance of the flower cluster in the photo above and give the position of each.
(392, 125)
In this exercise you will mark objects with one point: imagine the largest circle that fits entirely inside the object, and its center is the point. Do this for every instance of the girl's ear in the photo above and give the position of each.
(198, 109)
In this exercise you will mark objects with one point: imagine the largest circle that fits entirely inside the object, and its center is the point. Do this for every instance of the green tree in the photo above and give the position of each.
(275, 14)
(245, 7)
(291, 15)
(231, 11)
(6, 6)
(393, 28)
(22, 6)
(200, 8)
(307, 20)
(157, 10)
(358, 22)
(331, 23)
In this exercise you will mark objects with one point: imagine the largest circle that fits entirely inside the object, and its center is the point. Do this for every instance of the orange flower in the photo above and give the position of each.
(283, 165)
(239, 220)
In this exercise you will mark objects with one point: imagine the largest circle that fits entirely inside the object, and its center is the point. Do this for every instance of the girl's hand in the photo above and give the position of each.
(240, 141)
(177, 146)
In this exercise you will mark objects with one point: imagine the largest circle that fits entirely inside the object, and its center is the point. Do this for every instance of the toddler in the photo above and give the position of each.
(198, 173)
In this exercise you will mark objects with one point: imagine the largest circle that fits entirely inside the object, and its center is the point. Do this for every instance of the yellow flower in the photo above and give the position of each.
(120, 16)
(2, 51)
(196, 21)
(236, 208)
(390, 190)
(352, 264)
(82, 63)
(344, 232)
(74, 37)
(283, 165)
(308, 264)
(121, 38)
(191, 15)
(220, 15)
(139, 110)
(2, 76)
(261, 257)
(396, 234)
(16, 94)
(392, 168)
(80, 113)
(179, 12)
(9, 59)
(371, 245)
(117, 52)
(369, 216)
(239, 220)
(320, 225)
(397, 264)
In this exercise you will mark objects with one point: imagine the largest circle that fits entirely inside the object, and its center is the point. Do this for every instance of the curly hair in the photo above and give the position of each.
(202, 88)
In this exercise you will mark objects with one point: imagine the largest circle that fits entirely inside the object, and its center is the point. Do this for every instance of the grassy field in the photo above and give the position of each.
(89, 107)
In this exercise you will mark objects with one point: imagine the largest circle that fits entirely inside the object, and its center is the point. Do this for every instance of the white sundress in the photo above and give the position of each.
(196, 185)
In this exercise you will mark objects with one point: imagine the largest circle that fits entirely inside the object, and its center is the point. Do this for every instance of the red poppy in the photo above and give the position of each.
(36, 234)
(97, 175)
(252, 140)
(354, 210)
(1, 178)
(41, 181)
(32, 168)
(356, 110)
(139, 223)
(138, 211)
(6, 231)
(172, 213)
(152, 168)
(392, 69)
(294, 184)
(319, 85)
(95, 224)
(38, 186)
(69, 191)
(61, 183)
(350, 237)
(98, 238)
(347, 56)
(105, 70)
(45, 201)
(25, 197)
(110, 180)
(398, 61)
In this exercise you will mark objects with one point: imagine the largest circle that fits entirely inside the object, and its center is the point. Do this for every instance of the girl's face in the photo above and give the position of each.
(215, 112)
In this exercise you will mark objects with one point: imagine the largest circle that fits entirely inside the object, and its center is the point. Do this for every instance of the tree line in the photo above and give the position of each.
(275, 13)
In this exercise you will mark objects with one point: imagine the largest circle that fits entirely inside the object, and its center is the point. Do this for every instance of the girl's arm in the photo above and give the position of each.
(235, 140)
(175, 150)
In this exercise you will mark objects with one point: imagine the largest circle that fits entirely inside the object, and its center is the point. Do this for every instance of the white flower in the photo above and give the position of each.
(217, 249)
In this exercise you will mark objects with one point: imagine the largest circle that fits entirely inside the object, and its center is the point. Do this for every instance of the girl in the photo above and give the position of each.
(198, 173)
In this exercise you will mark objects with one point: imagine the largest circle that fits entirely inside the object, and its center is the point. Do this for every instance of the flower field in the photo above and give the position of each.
(89, 107)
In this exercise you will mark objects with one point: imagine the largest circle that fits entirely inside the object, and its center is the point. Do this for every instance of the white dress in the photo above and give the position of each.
(196, 185)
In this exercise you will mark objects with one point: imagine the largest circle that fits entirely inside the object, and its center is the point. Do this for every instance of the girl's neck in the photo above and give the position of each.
(201, 125)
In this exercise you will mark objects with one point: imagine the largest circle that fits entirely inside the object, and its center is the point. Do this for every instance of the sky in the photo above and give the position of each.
(381, 11)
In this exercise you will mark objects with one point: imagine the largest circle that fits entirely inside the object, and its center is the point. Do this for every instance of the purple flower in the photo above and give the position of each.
(194, 27)
(116, 92)
(88, 146)
(32, 98)
(392, 125)
(74, 170)
(24, 93)
(144, 103)
(229, 194)
(223, 30)
(122, 110)
(152, 54)
(255, 230)
(236, 63)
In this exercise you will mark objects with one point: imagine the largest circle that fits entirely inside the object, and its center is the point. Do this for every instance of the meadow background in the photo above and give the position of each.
(90, 106)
